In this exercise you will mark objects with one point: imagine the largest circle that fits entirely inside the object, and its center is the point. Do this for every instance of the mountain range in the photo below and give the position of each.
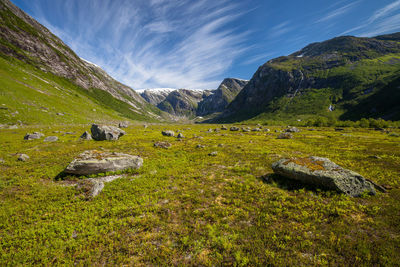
(44, 81)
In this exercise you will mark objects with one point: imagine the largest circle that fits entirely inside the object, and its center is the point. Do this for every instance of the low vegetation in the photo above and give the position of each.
(184, 207)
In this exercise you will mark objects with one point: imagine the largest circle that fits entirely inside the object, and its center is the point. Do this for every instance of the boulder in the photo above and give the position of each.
(51, 139)
(256, 130)
(200, 146)
(285, 136)
(93, 161)
(213, 154)
(322, 172)
(168, 133)
(86, 136)
(32, 136)
(23, 157)
(180, 135)
(267, 130)
(234, 129)
(104, 132)
(165, 145)
(246, 130)
(224, 128)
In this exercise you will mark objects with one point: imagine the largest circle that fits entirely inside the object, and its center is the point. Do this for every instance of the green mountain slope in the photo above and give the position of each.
(345, 78)
(41, 76)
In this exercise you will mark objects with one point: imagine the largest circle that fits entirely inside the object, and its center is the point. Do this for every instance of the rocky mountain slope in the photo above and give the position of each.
(219, 99)
(345, 77)
(43, 58)
(185, 103)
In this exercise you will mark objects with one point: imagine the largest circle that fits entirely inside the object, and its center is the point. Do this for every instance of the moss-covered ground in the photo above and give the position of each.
(184, 207)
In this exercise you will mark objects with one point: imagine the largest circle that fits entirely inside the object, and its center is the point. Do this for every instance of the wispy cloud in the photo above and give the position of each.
(280, 29)
(338, 12)
(257, 58)
(155, 43)
(383, 20)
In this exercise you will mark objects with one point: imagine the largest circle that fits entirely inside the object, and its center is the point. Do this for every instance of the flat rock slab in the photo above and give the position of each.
(323, 173)
(51, 139)
(93, 162)
(104, 132)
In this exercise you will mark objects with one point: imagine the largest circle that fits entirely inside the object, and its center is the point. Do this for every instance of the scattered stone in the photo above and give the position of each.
(234, 129)
(51, 139)
(213, 154)
(375, 157)
(312, 129)
(145, 126)
(324, 173)
(93, 161)
(285, 136)
(180, 135)
(277, 131)
(224, 128)
(246, 130)
(292, 130)
(267, 130)
(210, 130)
(86, 136)
(69, 133)
(123, 124)
(200, 146)
(165, 145)
(93, 186)
(104, 132)
(2, 160)
(60, 114)
(168, 133)
(256, 130)
(32, 136)
(394, 134)
(339, 129)
(23, 157)
(13, 127)
(220, 145)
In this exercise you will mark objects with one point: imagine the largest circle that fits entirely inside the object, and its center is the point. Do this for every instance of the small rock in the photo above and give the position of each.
(60, 114)
(123, 124)
(168, 133)
(213, 154)
(180, 135)
(23, 157)
(104, 132)
(210, 130)
(51, 139)
(246, 130)
(13, 127)
(234, 129)
(32, 136)
(2, 160)
(339, 129)
(220, 145)
(145, 126)
(200, 146)
(165, 145)
(86, 136)
(224, 128)
(69, 133)
(256, 130)
(292, 130)
(285, 136)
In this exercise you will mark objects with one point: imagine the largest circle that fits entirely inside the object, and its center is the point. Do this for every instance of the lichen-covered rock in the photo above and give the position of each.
(168, 133)
(93, 161)
(104, 132)
(323, 173)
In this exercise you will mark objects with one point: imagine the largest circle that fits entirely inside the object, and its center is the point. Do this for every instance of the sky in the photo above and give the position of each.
(195, 44)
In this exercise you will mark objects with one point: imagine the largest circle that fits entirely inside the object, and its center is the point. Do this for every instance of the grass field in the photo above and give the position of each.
(184, 207)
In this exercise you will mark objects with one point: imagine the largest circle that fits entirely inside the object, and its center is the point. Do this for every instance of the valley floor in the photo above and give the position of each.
(184, 207)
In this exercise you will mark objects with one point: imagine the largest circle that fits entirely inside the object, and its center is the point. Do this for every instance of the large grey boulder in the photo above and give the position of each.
(32, 136)
(93, 161)
(104, 132)
(292, 130)
(234, 129)
(285, 136)
(323, 173)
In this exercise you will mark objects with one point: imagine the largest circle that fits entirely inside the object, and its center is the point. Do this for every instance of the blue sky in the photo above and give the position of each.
(196, 43)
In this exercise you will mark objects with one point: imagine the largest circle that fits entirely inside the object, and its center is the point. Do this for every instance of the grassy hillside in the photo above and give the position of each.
(187, 208)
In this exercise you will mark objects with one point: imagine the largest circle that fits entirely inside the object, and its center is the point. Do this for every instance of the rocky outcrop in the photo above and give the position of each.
(322, 172)
(93, 162)
(104, 132)
(155, 96)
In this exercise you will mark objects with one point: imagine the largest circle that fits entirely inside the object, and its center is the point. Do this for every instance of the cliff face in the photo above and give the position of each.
(25, 39)
(328, 78)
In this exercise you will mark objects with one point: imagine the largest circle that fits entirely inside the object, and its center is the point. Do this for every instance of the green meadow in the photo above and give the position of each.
(184, 207)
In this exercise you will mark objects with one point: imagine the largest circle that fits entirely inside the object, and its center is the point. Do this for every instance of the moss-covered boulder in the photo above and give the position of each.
(323, 173)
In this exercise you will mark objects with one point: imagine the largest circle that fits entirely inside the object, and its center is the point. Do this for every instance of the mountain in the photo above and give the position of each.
(40, 74)
(183, 103)
(155, 96)
(187, 104)
(219, 99)
(345, 77)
